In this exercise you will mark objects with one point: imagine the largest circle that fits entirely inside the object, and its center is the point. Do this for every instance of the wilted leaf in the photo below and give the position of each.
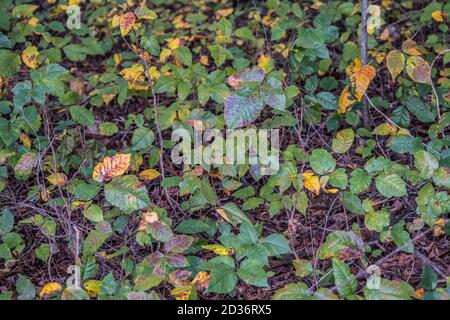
(30, 56)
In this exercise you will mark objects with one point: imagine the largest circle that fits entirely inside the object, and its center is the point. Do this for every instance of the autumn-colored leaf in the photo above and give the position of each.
(346, 99)
(437, 16)
(147, 218)
(418, 69)
(218, 249)
(409, 47)
(265, 62)
(126, 23)
(395, 62)
(201, 280)
(30, 56)
(149, 175)
(92, 287)
(312, 182)
(25, 139)
(360, 79)
(57, 179)
(385, 129)
(49, 289)
(181, 293)
(111, 167)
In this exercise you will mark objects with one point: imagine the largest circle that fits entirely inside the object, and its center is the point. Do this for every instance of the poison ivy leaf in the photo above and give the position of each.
(232, 214)
(9, 63)
(377, 220)
(127, 193)
(252, 272)
(276, 244)
(337, 241)
(293, 291)
(160, 231)
(96, 238)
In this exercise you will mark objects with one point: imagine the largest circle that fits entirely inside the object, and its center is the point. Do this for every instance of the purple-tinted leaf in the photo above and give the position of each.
(177, 260)
(159, 231)
(178, 243)
(242, 110)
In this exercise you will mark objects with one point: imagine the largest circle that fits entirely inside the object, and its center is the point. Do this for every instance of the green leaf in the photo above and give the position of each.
(359, 181)
(321, 161)
(82, 115)
(94, 213)
(345, 281)
(233, 214)
(6, 222)
(96, 238)
(151, 45)
(276, 244)
(426, 163)
(390, 290)
(429, 278)
(9, 63)
(343, 141)
(293, 291)
(127, 193)
(252, 272)
(339, 179)
(390, 185)
(159, 231)
(377, 220)
(184, 55)
(43, 252)
(242, 110)
(338, 240)
(25, 289)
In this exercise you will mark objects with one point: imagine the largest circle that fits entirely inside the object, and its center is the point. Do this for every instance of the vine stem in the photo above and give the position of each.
(365, 110)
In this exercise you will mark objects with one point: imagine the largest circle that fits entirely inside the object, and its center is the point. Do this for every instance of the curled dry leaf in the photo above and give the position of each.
(111, 167)
(147, 218)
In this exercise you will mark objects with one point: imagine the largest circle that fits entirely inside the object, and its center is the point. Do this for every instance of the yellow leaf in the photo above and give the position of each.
(126, 23)
(92, 287)
(265, 63)
(201, 280)
(117, 58)
(360, 80)
(218, 249)
(165, 53)
(409, 47)
(418, 69)
(346, 99)
(49, 289)
(173, 43)
(57, 179)
(385, 129)
(181, 293)
(115, 21)
(30, 57)
(395, 62)
(111, 167)
(154, 73)
(149, 175)
(25, 139)
(437, 16)
(312, 182)
(225, 12)
(133, 74)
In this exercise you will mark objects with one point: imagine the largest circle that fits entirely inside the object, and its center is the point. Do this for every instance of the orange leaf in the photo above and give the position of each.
(418, 69)
(346, 99)
(111, 167)
(409, 47)
(360, 79)
(126, 23)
